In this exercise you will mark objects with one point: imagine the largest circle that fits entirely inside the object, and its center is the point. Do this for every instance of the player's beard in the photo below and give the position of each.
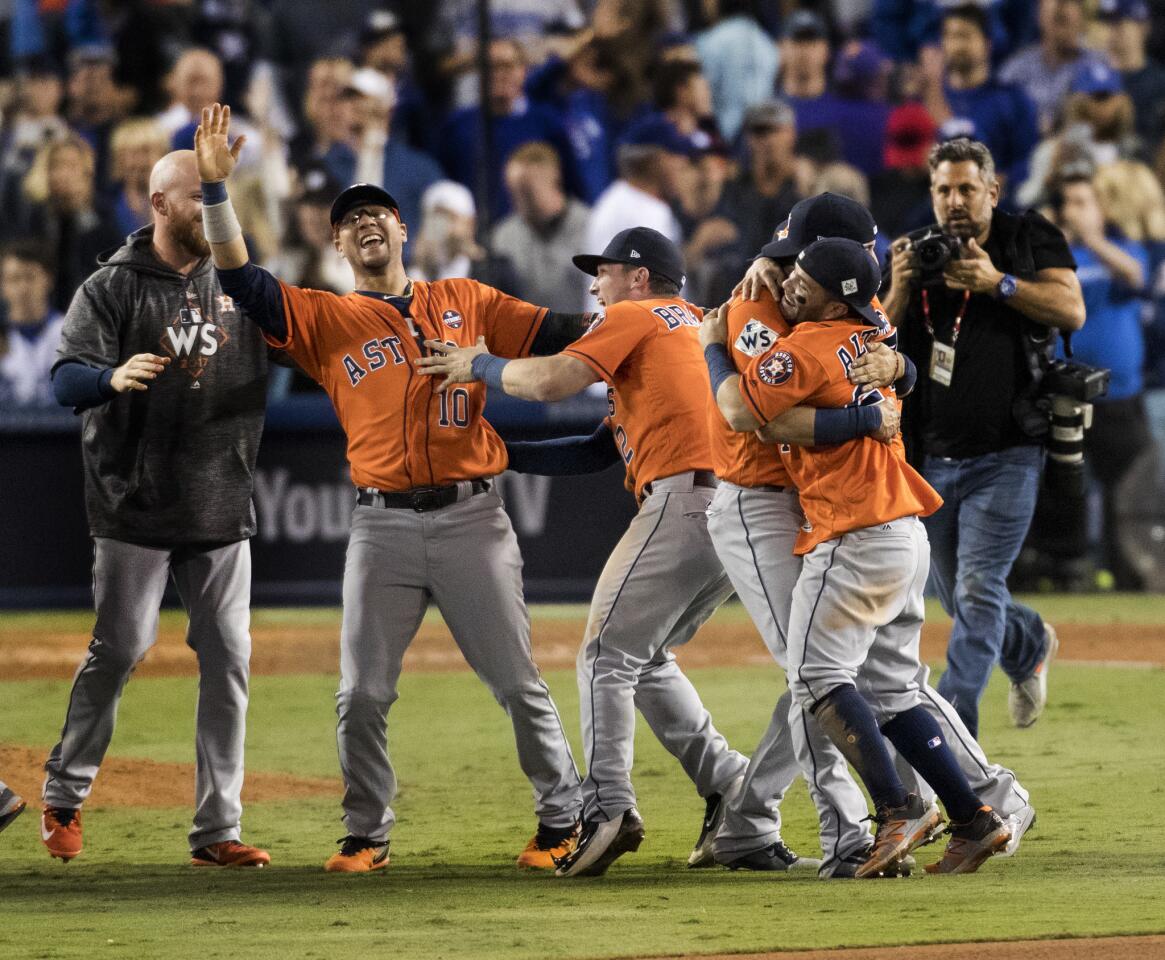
(191, 238)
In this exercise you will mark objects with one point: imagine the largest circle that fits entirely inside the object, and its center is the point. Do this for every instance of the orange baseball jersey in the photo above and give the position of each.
(648, 352)
(401, 432)
(754, 327)
(853, 485)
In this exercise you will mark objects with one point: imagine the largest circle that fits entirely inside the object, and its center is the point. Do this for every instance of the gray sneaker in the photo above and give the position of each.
(1018, 824)
(11, 807)
(1026, 700)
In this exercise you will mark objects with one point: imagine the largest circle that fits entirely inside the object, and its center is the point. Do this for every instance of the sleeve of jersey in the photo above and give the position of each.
(302, 313)
(510, 324)
(779, 380)
(610, 340)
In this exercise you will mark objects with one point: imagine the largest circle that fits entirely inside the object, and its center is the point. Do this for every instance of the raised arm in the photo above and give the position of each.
(255, 290)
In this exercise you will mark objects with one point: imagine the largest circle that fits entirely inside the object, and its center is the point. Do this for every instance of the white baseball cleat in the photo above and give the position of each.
(1018, 824)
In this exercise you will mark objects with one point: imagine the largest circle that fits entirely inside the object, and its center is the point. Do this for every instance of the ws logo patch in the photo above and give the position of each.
(776, 369)
(192, 340)
(756, 339)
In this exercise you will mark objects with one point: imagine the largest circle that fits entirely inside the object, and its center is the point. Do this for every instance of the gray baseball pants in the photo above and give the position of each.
(214, 585)
(754, 532)
(465, 558)
(660, 584)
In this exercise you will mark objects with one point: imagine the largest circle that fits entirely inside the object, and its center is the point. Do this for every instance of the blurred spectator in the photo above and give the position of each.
(1133, 202)
(96, 103)
(1143, 79)
(444, 245)
(740, 61)
(373, 154)
(1004, 116)
(763, 193)
(903, 28)
(654, 163)
(1045, 69)
(683, 96)
(308, 257)
(194, 81)
(546, 229)
(1113, 271)
(328, 114)
(135, 146)
(33, 326)
(64, 213)
(32, 121)
(804, 50)
(900, 194)
(1097, 127)
(588, 86)
(384, 47)
(515, 120)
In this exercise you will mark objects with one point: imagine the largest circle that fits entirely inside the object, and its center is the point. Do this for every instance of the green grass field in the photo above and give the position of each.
(1094, 864)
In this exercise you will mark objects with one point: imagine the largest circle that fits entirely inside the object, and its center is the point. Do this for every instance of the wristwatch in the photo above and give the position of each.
(1005, 288)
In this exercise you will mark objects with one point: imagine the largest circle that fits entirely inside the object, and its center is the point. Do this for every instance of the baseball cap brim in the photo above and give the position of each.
(780, 249)
(362, 194)
(870, 314)
(589, 263)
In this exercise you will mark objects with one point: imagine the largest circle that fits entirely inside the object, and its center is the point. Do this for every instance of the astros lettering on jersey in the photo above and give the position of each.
(853, 485)
(402, 432)
(648, 352)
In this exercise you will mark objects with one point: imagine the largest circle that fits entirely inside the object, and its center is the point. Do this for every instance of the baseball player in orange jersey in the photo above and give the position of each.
(427, 525)
(857, 608)
(663, 579)
(754, 521)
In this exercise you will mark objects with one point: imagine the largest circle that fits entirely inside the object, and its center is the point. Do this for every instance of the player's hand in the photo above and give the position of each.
(213, 152)
(137, 372)
(455, 364)
(762, 272)
(903, 262)
(891, 420)
(973, 271)
(879, 366)
(714, 328)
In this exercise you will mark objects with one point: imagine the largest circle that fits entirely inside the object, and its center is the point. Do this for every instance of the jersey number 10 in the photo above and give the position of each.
(454, 408)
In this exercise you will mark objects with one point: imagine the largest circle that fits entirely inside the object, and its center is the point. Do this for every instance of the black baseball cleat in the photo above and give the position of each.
(715, 806)
(847, 866)
(600, 844)
(775, 857)
(972, 842)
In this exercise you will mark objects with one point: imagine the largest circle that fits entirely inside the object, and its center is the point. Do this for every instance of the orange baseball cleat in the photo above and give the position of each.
(60, 829)
(547, 845)
(358, 855)
(229, 853)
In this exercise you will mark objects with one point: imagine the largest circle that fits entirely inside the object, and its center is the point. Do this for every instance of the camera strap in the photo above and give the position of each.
(942, 356)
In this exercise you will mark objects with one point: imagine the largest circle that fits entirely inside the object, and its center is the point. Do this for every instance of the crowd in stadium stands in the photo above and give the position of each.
(706, 119)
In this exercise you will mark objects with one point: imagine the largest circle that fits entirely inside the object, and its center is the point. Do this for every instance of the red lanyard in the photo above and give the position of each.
(958, 317)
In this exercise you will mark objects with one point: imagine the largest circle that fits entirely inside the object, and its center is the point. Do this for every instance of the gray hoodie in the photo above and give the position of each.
(173, 464)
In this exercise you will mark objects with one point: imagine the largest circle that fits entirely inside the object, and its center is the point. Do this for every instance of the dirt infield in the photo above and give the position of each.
(125, 782)
(1108, 948)
(286, 648)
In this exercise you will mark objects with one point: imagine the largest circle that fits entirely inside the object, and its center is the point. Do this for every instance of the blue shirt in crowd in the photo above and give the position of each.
(1005, 119)
(858, 125)
(1112, 335)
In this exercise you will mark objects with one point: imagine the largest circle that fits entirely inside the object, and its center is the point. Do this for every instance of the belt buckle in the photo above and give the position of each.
(426, 499)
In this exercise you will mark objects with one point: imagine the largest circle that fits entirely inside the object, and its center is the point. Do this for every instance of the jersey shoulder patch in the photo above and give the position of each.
(776, 369)
(755, 338)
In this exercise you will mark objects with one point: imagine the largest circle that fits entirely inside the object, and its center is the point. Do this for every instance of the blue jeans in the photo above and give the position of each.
(975, 536)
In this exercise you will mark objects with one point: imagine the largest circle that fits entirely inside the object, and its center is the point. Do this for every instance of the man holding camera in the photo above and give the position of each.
(976, 298)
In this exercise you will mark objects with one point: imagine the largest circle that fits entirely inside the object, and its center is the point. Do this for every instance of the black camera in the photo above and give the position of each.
(933, 250)
(1068, 390)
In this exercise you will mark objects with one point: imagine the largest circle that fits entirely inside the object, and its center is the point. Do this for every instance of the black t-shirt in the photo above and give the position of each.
(973, 416)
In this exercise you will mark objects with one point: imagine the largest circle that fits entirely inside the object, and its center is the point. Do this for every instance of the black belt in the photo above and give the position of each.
(700, 478)
(769, 488)
(420, 499)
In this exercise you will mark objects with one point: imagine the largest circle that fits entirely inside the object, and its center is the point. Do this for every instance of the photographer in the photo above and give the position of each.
(974, 301)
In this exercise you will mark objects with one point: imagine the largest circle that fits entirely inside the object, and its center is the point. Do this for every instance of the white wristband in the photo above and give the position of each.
(219, 223)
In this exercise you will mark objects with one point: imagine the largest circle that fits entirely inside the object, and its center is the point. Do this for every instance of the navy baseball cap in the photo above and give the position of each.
(362, 194)
(804, 25)
(656, 130)
(815, 218)
(846, 271)
(638, 247)
(1096, 76)
(1124, 10)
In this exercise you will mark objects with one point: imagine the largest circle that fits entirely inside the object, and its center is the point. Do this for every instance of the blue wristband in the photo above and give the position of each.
(488, 369)
(214, 192)
(836, 426)
(720, 366)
